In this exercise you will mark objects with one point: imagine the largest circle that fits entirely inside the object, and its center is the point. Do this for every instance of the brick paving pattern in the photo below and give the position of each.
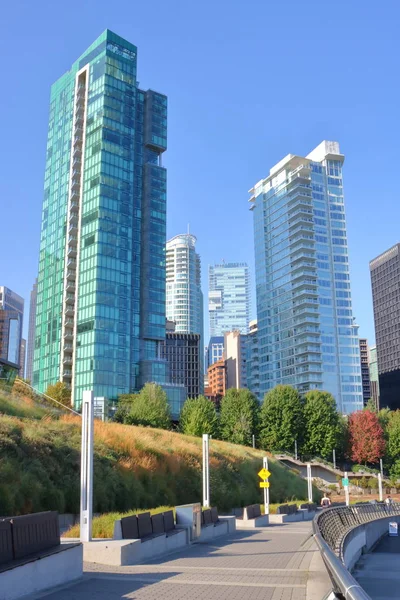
(262, 564)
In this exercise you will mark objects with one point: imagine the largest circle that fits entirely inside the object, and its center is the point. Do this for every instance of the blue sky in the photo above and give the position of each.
(248, 83)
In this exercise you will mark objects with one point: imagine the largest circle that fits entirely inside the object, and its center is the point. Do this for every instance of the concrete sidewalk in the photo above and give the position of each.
(273, 563)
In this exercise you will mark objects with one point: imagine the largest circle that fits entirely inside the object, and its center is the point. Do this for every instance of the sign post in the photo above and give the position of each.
(345, 483)
(206, 471)
(87, 466)
(264, 474)
(309, 482)
(380, 487)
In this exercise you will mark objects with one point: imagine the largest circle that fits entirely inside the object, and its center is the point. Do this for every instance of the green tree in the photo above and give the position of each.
(199, 416)
(395, 473)
(61, 392)
(342, 448)
(281, 419)
(125, 403)
(371, 406)
(238, 416)
(322, 428)
(150, 408)
(393, 436)
(384, 417)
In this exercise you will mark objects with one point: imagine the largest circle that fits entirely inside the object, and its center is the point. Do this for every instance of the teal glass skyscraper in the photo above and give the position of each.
(306, 332)
(100, 312)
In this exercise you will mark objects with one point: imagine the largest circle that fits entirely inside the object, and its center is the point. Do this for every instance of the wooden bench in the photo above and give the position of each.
(32, 557)
(289, 513)
(213, 526)
(151, 535)
(252, 517)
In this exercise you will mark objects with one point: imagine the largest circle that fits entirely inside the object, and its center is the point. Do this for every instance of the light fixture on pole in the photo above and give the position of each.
(206, 470)
(87, 467)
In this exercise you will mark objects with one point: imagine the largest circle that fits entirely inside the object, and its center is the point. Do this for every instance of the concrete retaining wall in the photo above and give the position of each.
(363, 538)
(42, 573)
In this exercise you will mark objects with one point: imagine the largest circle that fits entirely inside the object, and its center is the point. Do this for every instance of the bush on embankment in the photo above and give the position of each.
(134, 467)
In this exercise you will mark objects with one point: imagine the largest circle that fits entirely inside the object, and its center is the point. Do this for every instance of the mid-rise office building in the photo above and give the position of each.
(184, 298)
(100, 316)
(228, 298)
(31, 332)
(373, 376)
(364, 361)
(252, 360)
(216, 376)
(385, 280)
(11, 323)
(235, 354)
(215, 350)
(307, 337)
(182, 353)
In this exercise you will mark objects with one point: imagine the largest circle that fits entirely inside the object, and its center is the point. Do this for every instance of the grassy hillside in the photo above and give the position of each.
(134, 467)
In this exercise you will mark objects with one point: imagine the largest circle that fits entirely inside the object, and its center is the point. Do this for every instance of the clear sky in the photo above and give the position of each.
(248, 82)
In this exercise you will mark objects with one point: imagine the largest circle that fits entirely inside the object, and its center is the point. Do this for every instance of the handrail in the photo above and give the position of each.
(330, 528)
(344, 585)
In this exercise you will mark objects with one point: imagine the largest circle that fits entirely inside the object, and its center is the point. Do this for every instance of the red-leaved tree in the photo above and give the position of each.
(366, 439)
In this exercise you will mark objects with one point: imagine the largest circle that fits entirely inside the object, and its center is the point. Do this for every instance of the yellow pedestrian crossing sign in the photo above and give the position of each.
(264, 484)
(264, 473)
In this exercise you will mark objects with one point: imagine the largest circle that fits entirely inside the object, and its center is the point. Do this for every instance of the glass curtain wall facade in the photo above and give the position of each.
(385, 282)
(215, 350)
(306, 332)
(31, 332)
(228, 298)
(11, 323)
(252, 360)
(100, 312)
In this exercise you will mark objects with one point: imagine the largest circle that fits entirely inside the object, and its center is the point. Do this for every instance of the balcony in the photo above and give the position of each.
(75, 186)
(71, 250)
(69, 310)
(70, 299)
(67, 360)
(77, 153)
(68, 347)
(70, 285)
(74, 206)
(73, 218)
(68, 334)
(71, 274)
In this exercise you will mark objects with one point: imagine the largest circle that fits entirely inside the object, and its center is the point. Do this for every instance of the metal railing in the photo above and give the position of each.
(331, 527)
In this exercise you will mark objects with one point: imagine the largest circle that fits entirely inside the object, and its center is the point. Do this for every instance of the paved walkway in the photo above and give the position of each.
(379, 572)
(263, 564)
